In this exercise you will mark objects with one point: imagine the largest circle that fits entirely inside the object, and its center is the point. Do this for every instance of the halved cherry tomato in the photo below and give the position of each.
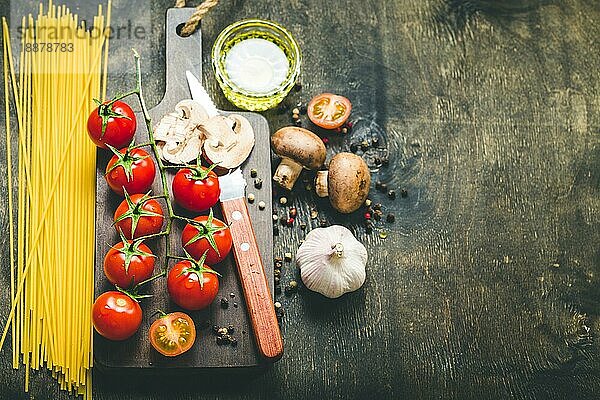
(116, 316)
(173, 334)
(209, 234)
(130, 169)
(128, 263)
(192, 285)
(196, 189)
(329, 111)
(113, 123)
(138, 216)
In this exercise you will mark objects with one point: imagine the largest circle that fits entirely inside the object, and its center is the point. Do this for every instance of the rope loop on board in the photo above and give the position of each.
(192, 24)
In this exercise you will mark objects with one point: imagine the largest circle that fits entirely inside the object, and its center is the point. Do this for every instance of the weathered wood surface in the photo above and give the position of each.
(487, 285)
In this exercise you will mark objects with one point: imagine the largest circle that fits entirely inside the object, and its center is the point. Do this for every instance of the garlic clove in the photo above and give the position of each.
(332, 262)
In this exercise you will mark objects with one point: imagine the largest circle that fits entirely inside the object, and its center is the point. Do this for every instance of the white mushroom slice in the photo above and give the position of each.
(228, 140)
(178, 138)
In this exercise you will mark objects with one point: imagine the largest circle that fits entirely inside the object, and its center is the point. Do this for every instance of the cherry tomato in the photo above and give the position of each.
(139, 214)
(196, 240)
(196, 189)
(192, 286)
(329, 111)
(128, 263)
(173, 334)
(116, 316)
(132, 169)
(120, 124)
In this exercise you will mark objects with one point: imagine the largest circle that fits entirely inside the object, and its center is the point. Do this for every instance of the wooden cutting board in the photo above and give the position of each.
(136, 353)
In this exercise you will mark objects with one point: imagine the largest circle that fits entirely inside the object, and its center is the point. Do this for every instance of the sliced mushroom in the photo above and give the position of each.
(298, 148)
(178, 136)
(346, 183)
(228, 140)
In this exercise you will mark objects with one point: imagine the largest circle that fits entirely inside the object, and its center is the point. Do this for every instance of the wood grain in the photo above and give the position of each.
(253, 279)
(486, 287)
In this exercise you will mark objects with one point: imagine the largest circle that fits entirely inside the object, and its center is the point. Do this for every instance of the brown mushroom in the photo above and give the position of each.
(346, 183)
(228, 140)
(298, 148)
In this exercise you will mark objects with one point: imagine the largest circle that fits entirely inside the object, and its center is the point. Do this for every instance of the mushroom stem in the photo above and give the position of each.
(287, 173)
(321, 184)
(338, 249)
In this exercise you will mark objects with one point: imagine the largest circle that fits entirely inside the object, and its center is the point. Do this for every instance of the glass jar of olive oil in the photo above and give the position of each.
(256, 63)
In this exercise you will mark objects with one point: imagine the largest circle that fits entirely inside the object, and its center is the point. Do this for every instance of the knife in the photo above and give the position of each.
(245, 248)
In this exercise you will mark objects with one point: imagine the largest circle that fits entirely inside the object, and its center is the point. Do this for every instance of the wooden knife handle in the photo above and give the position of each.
(253, 279)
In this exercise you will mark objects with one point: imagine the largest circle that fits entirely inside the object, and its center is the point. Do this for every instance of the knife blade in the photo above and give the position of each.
(200, 95)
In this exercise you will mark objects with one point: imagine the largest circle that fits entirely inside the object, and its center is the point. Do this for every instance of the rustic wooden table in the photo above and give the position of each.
(486, 286)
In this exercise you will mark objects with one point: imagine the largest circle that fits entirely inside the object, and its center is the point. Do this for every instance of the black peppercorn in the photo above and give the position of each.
(390, 218)
(258, 183)
(377, 206)
(253, 173)
(392, 194)
(353, 147)
(403, 192)
(235, 305)
(298, 122)
(224, 303)
(230, 329)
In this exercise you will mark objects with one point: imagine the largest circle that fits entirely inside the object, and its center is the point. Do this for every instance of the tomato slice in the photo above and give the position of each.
(329, 111)
(173, 334)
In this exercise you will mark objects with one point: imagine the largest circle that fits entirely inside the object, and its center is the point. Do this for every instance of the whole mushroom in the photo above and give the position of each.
(346, 182)
(298, 148)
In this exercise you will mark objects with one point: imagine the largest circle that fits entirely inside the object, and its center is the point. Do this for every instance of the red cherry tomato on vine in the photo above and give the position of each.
(116, 316)
(132, 169)
(139, 214)
(196, 240)
(329, 111)
(119, 124)
(196, 189)
(128, 263)
(192, 286)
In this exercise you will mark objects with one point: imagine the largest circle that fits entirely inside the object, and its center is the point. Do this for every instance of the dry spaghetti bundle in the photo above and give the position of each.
(61, 69)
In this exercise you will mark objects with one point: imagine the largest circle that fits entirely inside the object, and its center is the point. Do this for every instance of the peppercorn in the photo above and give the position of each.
(287, 256)
(403, 192)
(224, 303)
(235, 305)
(277, 305)
(277, 272)
(364, 145)
(392, 194)
(295, 117)
(290, 221)
(275, 217)
(323, 223)
(353, 147)
(283, 220)
(258, 183)
(302, 225)
(349, 124)
(325, 139)
(383, 234)
(375, 141)
(230, 329)
(298, 122)
(222, 331)
(368, 202)
(232, 295)
(278, 262)
(215, 329)
(293, 284)
(377, 206)
(314, 214)
(295, 110)
(280, 312)
(293, 212)
(390, 218)
(253, 173)
(344, 130)
(282, 200)
(377, 215)
(251, 198)
(261, 205)
(367, 215)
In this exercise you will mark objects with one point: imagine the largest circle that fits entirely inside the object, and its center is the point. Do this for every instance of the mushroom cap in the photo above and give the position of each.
(348, 182)
(229, 139)
(300, 145)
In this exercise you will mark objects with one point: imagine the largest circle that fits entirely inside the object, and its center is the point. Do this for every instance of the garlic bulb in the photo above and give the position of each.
(332, 262)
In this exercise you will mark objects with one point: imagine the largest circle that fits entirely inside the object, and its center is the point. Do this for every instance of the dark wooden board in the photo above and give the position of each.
(491, 115)
(137, 353)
